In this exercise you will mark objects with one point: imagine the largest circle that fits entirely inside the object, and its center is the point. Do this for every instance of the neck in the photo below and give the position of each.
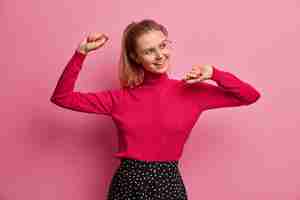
(152, 77)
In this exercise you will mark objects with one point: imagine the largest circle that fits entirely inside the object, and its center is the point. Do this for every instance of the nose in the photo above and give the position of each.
(159, 55)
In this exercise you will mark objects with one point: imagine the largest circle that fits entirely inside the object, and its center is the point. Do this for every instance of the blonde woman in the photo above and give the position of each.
(154, 113)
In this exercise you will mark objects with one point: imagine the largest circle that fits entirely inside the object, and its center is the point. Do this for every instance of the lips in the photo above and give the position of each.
(160, 63)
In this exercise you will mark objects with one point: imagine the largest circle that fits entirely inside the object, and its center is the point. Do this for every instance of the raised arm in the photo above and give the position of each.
(101, 102)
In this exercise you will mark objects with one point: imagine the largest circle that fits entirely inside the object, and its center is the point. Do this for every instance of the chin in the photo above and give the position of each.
(160, 70)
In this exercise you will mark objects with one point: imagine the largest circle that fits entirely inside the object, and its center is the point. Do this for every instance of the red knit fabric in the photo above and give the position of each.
(153, 120)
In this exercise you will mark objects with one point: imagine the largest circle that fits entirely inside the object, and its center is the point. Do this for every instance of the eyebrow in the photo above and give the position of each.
(153, 47)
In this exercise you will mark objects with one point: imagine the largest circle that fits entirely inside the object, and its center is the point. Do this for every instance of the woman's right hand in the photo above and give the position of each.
(92, 42)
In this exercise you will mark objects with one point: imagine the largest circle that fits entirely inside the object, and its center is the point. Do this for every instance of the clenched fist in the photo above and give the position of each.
(92, 42)
(199, 73)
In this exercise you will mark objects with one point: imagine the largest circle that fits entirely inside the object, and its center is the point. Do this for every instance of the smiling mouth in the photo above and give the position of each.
(159, 64)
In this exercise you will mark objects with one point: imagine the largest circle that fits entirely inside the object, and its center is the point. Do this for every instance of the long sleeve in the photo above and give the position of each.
(229, 92)
(101, 102)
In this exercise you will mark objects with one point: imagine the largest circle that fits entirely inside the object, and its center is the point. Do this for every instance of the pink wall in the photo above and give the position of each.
(233, 153)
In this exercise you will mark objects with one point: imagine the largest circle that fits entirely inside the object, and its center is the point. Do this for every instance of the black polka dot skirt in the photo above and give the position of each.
(147, 180)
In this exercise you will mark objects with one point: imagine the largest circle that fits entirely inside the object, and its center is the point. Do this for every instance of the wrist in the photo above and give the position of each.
(211, 71)
(82, 50)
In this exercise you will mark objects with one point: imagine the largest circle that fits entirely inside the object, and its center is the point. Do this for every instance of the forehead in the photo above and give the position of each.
(150, 39)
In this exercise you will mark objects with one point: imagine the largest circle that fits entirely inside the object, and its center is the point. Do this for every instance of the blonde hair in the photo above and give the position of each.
(131, 74)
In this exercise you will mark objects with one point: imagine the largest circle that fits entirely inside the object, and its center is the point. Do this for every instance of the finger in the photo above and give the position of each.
(94, 37)
(193, 74)
(99, 44)
(101, 36)
(98, 36)
(83, 41)
(91, 37)
(102, 40)
(196, 70)
(195, 67)
(190, 75)
(192, 81)
(187, 76)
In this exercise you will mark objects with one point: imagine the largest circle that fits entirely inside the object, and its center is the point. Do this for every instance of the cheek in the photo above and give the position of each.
(148, 60)
(167, 54)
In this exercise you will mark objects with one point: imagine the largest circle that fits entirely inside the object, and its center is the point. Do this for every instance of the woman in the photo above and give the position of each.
(154, 114)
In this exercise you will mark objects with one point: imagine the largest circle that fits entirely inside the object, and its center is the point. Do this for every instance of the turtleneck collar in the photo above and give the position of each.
(154, 78)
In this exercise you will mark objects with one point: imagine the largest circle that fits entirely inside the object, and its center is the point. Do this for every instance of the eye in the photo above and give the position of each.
(149, 51)
(163, 45)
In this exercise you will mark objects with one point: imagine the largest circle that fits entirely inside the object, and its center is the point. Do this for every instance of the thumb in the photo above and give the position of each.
(201, 77)
(198, 79)
(103, 39)
(101, 42)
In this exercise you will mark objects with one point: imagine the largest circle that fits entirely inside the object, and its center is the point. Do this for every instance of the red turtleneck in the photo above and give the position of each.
(153, 120)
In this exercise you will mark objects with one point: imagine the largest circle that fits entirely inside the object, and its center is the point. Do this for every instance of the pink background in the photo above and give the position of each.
(250, 152)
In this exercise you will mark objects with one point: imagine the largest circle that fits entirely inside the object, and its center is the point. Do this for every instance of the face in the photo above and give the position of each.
(153, 49)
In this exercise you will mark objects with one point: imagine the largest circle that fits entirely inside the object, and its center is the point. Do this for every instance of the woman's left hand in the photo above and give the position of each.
(199, 73)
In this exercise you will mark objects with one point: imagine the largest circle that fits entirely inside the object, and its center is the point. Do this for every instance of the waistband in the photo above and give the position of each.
(149, 164)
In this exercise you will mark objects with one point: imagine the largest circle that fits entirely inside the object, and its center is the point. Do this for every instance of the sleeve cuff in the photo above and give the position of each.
(80, 55)
(216, 73)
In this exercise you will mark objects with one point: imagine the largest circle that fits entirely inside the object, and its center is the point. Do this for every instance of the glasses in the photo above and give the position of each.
(165, 45)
